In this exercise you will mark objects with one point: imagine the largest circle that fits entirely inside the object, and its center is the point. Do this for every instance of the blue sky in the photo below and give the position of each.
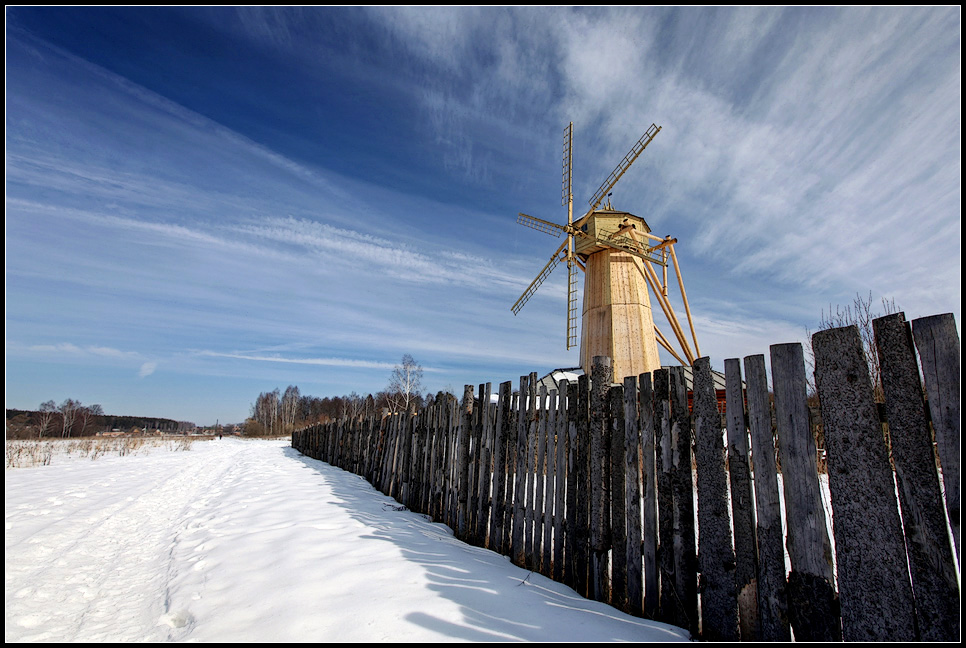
(205, 204)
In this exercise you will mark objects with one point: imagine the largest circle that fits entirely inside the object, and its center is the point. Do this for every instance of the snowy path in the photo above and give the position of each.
(249, 541)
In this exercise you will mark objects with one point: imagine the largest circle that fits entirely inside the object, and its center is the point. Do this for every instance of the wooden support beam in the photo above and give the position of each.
(684, 298)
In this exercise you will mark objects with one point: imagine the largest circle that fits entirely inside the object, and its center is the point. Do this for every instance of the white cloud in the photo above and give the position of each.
(147, 369)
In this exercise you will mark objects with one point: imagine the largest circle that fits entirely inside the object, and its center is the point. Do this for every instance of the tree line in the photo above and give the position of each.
(71, 418)
(277, 413)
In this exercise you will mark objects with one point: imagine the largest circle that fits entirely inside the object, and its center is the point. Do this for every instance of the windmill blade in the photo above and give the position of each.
(540, 225)
(566, 191)
(624, 165)
(532, 288)
(572, 303)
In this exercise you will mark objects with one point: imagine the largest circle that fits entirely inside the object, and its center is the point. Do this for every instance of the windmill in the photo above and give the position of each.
(617, 253)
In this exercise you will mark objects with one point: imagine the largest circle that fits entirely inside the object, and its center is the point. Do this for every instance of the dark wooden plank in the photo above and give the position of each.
(501, 438)
(573, 486)
(652, 578)
(685, 558)
(742, 503)
(601, 375)
(668, 601)
(463, 462)
(517, 542)
(549, 484)
(719, 599)
(772, 601)
(939, 350)
(812, 602)
(632, 498)
(873, 579)
(484, 478)
(560, 476)
(581, 417)
(533, 422)
(931, 555)
(539, 471)
(618, 500)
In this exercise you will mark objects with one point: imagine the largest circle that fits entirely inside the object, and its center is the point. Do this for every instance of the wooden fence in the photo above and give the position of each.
(623, 493)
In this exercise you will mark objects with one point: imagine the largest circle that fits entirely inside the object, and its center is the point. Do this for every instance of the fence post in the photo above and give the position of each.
(501, 437)
(548, 482)
(772, 601)
(462, 485)
(939, 350)
(529, 495)
(649, 551)
(560, 475)
(580, 425)
(570, 522)
(812, 603)
(632, 496)
(619, 504)
(742, 504)
(874, 590)
(931, 557)
(685, 558)
(719, 601)
(484, 444)
(601, 375)
(669, 603)
(517, 547)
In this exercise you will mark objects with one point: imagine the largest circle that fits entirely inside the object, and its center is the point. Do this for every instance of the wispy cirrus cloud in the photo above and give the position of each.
(320, 362)
(68, 348)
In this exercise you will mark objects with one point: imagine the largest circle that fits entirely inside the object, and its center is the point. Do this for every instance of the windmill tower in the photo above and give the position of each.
(617, 253)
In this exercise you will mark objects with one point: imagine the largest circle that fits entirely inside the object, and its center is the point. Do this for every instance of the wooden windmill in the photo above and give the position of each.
(617, 253)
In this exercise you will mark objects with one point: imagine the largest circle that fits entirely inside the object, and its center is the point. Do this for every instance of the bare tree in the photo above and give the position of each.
(405, 384)
(68, 410)
(86, 413)
(860, 313)
(47, 411)
(352, 405)
(290, 405)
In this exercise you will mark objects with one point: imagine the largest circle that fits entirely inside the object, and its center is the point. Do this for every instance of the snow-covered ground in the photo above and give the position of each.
(239, 540)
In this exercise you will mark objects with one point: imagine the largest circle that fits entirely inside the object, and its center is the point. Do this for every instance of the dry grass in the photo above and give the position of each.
(26, 453)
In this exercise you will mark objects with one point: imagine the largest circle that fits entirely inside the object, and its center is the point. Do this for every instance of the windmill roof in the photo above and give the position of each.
(621, 212)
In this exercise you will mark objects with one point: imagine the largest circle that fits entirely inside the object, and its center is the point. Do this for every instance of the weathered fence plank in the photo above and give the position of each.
(582, 520)
(874, 591)
(573, 486)
(939, 350)
(498, 507)
(685, 558)
(517, 545)
(560, 476)
(669, 603)
(772, 601)
(540, 466)
(742, 504)
(618, 501)
(463, 461)
(632, 497)
(931, 557)
(649, 551)
(719, 600)
(601, 376)
(533, 422)
(549, 482)
(812, 602)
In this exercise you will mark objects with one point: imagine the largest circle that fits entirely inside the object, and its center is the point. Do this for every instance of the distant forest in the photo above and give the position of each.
(62, 422)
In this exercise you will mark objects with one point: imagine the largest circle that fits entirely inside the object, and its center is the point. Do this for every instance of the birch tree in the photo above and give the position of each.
(405, 384)
(47, 411)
